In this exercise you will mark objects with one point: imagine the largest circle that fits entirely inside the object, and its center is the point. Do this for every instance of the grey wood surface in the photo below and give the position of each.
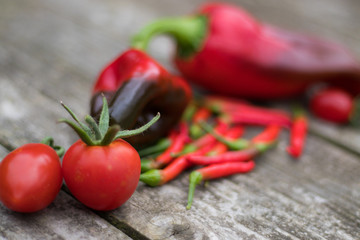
(53, 50)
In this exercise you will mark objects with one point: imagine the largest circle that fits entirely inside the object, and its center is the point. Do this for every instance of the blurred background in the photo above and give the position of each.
(96, 31)
(59, 47)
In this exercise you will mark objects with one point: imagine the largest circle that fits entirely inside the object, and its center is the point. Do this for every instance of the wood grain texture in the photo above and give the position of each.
(315, 198)
(53, 50)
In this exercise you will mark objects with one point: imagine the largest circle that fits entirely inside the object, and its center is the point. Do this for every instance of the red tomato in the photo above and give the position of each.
(102, 177)
(332, 104)
(30, 177)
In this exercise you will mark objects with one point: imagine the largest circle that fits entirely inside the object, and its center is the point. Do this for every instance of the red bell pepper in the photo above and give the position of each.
(238, 111)
(225, 50)
(137, 88)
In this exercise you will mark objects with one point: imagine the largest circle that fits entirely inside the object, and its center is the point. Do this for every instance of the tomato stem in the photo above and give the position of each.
(50, 142)
(101, 134)
(130, 133)
(72, 114)
(110, 135)
(104, 118)
(80, 131)
(93, 126)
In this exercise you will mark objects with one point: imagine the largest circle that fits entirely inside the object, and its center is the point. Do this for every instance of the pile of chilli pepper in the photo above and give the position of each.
(209, 138)
(230, 56)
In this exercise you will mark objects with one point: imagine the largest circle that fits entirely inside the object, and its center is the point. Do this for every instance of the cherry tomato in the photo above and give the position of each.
(102, 177)
(332, 104)
(30, 177)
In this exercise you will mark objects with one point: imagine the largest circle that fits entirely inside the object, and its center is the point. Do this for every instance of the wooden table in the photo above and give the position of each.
(53, 50)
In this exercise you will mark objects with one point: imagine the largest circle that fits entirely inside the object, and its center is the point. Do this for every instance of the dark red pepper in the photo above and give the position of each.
(225, 50)
(137, 87)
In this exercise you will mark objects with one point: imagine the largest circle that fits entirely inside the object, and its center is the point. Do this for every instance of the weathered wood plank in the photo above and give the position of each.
(52, 50)
(315, 198)
(65, 218)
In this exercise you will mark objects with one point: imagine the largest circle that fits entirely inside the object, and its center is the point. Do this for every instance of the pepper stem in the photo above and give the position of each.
(195, 178)
(298, 111)
(187, 149)
(262, 147)
(152, 178)
(232, 145)
(130, 133)
(355, 113)
(147, 164)
(160, 146)
(188, 32)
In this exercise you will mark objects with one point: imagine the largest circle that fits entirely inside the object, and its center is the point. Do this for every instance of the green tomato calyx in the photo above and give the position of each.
(50, 142)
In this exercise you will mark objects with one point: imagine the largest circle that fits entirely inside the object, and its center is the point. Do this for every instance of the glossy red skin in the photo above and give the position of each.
(102, 177)
(332, 104)
(298, 136)
(130, 64)
(30, 178)
(243, 57)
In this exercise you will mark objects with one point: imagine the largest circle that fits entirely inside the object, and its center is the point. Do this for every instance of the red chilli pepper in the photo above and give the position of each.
(259, 144)
(232, 134)
(180, 137)
(232, 144)
(269, 134)
(205, 140)
(231, 156)
(202, 114)
(298, 134)
(216, 171)
(240, 112)
(149, 162)
(137, 87)
(257, 118)
(157, 177)
(225, 50)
